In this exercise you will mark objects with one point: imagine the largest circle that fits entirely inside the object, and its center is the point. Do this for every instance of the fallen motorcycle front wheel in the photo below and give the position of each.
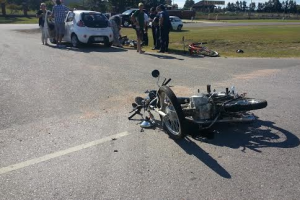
(173, 121)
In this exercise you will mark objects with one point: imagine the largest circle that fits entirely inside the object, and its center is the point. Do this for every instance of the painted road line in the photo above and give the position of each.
(60, 153)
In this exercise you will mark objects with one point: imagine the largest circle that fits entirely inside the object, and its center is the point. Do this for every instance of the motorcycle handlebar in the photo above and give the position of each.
(168, 81)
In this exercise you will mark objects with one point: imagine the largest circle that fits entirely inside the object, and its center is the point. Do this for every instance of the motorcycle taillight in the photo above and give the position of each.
(80, 24)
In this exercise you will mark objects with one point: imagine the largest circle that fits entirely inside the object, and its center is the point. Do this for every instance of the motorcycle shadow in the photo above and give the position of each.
(259, 134)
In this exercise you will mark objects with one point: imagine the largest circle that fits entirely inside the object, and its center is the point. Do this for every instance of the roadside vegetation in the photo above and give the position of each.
(18, 20)
(260, 21)
(255, 41)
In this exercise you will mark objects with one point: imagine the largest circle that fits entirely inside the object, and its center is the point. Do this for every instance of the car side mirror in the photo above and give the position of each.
(155, 73)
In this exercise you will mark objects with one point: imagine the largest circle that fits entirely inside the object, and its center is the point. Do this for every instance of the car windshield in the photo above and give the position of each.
(94, 20)
(127, 12)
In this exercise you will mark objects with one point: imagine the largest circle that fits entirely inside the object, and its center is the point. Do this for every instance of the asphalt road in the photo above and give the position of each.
(64, 132)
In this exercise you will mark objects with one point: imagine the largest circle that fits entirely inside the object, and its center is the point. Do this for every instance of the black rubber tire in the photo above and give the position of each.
(181, 119)
(245, 104)
(53, 41)
(179, 28)
(126, 24)
(210, 53)
(108, 44)
(76, 42)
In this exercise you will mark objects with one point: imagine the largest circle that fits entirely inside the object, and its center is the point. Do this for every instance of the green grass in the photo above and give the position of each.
(18, 20)
(258, 20)
(255, 41)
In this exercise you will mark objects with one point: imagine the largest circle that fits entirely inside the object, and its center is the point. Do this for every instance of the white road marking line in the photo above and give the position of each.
(60, 153)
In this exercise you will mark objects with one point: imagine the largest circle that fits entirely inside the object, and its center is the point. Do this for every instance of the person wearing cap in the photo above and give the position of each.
(138, 20)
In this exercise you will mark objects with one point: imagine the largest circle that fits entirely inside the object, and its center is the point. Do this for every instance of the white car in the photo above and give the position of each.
(176, 23)
(84, 26)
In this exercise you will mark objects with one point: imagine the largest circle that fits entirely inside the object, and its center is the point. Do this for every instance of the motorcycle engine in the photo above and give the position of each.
(203, 108)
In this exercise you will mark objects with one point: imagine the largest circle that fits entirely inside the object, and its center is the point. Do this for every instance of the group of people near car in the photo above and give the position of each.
(59, 13)
(159, 18)
(160, 25)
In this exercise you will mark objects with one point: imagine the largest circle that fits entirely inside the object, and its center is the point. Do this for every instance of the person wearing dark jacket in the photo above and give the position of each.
(154, 26)
(164, 25)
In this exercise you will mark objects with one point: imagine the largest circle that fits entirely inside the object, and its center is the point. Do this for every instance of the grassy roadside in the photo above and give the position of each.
(255, 41)
(18, 20)
(259, 21)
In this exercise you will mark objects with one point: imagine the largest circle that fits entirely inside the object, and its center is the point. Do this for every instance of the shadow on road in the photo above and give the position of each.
(161, 56)
(260, 134)
(90, 48)
(192, 148)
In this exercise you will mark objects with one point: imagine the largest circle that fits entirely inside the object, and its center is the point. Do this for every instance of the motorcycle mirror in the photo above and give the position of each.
(155, 73)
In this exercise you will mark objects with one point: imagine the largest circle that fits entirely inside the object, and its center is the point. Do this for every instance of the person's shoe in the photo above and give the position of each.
(160, 51)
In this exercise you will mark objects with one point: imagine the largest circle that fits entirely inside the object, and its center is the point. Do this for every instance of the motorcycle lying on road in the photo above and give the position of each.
(203, 109)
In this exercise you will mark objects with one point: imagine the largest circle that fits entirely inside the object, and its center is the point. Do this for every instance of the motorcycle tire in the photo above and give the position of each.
(245, 104)
(209, 53)
(172, 123)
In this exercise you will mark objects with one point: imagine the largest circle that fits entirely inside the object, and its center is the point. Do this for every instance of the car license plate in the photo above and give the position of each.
(99, 39)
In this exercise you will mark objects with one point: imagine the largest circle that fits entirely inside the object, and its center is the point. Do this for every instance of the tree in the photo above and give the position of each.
(260, 7)
(252, 6)
(3, 7)
(188, 4)
(122, 5)
(169, 2)
(96, 5)
(237, 5)
(244, 5)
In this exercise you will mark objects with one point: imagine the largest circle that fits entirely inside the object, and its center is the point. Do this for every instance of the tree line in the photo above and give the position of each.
(273, 6)
(97, 5)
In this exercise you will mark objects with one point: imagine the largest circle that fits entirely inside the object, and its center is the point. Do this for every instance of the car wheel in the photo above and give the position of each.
(126, 23)
(179, 28)
(74, 40)
(53, 40)
(108, 44)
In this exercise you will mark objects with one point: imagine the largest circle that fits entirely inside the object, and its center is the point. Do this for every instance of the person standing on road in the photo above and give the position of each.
(145, 36)
(164, 25)
(42, 14)
(115, 22)
(154, 26)
(59, 13)
(138, 20)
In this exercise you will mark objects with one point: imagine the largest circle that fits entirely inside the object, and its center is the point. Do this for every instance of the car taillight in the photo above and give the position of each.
(80, 23)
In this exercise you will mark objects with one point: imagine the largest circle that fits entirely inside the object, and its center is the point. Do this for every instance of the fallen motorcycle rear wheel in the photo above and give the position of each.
(245, 104)
(173, 122)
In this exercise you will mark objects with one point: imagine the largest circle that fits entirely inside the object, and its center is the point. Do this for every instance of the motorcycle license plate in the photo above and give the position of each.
(99, 39)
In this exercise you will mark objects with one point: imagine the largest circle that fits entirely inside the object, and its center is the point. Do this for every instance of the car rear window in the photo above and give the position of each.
(94, 20)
